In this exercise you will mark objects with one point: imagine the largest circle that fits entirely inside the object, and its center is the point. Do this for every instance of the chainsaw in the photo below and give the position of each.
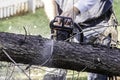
(62, 31)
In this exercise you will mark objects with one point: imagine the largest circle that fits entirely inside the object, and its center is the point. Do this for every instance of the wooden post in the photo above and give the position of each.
(26, 6)
(32, 5)
(1, 13)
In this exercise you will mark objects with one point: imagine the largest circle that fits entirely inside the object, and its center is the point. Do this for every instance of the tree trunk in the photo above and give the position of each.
(36, 50)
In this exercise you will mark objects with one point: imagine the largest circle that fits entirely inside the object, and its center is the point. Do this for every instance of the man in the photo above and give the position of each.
(92, 15)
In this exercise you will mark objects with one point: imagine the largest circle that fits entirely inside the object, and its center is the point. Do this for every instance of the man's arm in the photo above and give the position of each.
(79, 7)
(85, 5)
(50, 9)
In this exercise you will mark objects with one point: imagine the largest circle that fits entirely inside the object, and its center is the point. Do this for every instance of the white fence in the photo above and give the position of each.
(14, 7)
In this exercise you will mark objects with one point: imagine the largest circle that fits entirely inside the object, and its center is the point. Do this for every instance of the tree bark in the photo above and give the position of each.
(36, 50)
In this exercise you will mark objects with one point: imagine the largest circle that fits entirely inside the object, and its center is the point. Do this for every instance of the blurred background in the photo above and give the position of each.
(15, 15)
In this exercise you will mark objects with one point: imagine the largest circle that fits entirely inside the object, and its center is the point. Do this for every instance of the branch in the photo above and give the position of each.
(36, 50)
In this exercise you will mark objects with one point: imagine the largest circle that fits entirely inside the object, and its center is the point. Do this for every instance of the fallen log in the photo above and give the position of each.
(36, 50)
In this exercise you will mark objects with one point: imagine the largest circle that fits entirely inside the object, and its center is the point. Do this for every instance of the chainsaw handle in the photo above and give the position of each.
(63, 20)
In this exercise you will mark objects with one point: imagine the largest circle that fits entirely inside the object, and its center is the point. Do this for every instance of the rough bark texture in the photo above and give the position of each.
(36, 50)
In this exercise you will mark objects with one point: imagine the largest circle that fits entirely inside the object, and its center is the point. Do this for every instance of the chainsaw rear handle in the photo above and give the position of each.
(62, 30)
(62, 25)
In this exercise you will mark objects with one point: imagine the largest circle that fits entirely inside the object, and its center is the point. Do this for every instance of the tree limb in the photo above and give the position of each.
(36, 50)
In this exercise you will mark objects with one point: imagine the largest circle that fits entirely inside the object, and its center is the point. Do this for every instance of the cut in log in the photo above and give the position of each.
(36, 50)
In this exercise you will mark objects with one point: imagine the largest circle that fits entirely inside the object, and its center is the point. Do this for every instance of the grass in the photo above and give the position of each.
(35, 24)
(117, 9)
